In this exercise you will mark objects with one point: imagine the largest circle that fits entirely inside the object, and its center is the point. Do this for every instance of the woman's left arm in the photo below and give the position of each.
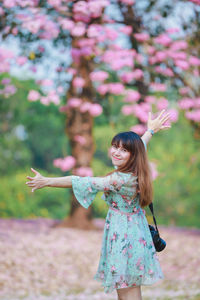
(155, 125)
(40, 181)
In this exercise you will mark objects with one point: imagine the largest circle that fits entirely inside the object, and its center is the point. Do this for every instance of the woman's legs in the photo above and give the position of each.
(131, 293)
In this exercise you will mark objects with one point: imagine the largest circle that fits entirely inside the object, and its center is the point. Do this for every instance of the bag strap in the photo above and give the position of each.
(154, 219)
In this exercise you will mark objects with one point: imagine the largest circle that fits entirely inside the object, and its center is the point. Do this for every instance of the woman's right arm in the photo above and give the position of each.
(155, 125)
(40, 181)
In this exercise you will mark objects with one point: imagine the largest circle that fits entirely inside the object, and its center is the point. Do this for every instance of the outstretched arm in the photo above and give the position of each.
(155, 125)
(40, 181)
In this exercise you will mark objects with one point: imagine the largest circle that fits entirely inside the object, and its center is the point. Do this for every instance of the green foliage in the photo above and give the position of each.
(32, 134)
(18, 201)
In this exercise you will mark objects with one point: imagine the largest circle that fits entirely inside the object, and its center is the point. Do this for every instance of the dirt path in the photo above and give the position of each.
(45, 263)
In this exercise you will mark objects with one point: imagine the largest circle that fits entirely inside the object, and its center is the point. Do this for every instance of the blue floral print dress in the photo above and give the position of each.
(128, 257)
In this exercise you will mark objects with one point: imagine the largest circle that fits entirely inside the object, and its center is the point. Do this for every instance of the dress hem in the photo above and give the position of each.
(110, 289)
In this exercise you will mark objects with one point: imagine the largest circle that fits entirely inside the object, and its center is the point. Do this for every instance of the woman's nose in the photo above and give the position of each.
(117, 151)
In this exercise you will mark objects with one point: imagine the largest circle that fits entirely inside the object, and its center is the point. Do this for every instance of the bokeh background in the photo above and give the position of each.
(72, 75)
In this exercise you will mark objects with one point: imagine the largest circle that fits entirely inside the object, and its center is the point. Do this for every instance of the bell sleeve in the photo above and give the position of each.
(86, 188)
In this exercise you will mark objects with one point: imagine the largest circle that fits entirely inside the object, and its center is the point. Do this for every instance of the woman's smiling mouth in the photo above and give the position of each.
(116, 158)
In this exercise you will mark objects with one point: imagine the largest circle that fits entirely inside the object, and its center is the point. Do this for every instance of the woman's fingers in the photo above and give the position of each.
(31, 178)
(161, 113)
(34, 171)
(165, 127)
(165, 118)
(30, 183)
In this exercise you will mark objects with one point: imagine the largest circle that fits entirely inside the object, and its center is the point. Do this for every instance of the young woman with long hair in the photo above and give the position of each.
(128, 256)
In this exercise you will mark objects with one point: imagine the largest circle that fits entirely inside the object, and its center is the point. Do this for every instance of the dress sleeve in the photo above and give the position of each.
(86, 188)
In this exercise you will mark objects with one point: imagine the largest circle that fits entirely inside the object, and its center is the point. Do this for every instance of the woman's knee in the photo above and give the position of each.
(129, 293)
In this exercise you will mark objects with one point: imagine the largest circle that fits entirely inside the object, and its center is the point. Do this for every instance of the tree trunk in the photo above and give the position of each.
(79, 123)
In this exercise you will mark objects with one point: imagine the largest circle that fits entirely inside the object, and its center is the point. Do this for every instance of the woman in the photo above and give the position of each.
(128, 257)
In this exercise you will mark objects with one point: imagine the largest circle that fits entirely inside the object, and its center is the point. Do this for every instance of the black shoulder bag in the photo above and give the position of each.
(159, 243)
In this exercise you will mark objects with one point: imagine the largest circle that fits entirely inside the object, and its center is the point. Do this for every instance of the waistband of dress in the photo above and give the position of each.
(139, 210)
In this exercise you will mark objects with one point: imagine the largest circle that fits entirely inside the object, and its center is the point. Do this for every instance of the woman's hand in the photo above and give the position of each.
(157, 124)
(36, 182)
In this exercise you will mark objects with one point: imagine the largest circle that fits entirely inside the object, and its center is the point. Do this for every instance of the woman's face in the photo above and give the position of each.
(119, 155)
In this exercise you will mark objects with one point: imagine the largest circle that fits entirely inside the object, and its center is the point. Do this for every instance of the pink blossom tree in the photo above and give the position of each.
(153, 62)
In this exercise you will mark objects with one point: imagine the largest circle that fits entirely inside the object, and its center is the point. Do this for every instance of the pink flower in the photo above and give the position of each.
(78, 82)
(114, 236)
(45, 100)
(194, 61)
(113, 268)
(140, 112)
(116, 88)
(85, 107)
(83, 171)
(65, 164)
(95, 110)
(138, 74)
(150, 271)
(66, 24)
(103, 89)
(164, 71)
(127, 110)
(45, 82)
(98, 76)
(184, 90)
(21, 60)
(177, 45)
(129, 76)
(111, 33)
(124, 251)
(33, 95)
(139, 129)
(163, 39)
(141, 37)
(162, 103)
(150, 99)
(159, 87)
(186, 103)
(94, 30)
(177, 55)
(53, 97)
(74, 102)
(132, 96)
(9, 90)
(5, 81)
(193, 115)
(80, 139)
(126, 30)
(173, 114)
(151, 50)
(184, 65)
(124, 285)
(173, 30)
(78, 29)
(160, 56)
(72, 71)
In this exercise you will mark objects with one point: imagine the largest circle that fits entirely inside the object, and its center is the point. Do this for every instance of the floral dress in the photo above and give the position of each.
(128, 257)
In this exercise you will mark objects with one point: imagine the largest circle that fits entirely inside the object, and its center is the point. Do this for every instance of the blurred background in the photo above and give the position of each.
(75, 73)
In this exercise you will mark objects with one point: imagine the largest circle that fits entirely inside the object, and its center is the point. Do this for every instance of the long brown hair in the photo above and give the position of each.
(137, 164)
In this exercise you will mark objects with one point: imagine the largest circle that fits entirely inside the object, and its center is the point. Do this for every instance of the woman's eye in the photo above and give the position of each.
(124, 150)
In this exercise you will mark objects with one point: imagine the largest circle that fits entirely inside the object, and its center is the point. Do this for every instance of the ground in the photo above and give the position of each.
(42, 262)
